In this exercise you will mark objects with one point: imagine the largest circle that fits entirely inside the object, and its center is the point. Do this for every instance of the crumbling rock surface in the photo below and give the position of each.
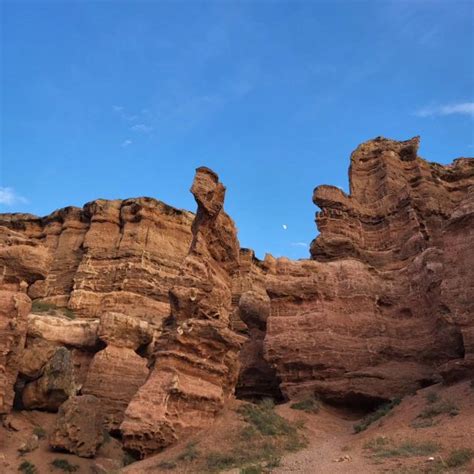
(196, 364)
(384, 305)
(117, 372)
(388, 298)
(14, 308)
(21, 262)
(79, 427)
(116, 255)
(35, 356)
(61, 330)
(55, 385)
(124, 331)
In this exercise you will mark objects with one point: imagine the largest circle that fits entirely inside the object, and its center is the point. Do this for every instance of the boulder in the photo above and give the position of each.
(114, 376)
(55, 385)
(79, 426)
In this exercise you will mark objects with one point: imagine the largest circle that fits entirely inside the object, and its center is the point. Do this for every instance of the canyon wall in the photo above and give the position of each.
(166, 298)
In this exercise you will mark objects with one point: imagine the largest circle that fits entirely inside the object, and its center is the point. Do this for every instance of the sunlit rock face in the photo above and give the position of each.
(120, 255)
(196, 364)
(384, 303)
(168, 301)
(22, 261)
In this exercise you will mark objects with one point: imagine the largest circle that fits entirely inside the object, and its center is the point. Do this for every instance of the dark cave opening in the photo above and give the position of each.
(355, 402)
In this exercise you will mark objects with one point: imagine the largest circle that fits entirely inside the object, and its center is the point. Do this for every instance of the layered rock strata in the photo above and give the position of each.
(108, 256)
(117, 372)
(22, 262)
(79, 427)
(383, 306)
(196, 364)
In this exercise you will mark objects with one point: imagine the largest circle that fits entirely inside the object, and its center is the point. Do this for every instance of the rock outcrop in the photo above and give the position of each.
(79, 427)
(14, 308)
(167, 306)
(371, 318)
(75, 333)
(117, 372)
(22, 261)
(54, 386)
(117, 255)
(196, 364)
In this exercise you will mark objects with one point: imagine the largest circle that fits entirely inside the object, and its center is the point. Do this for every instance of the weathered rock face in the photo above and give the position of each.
(196, 364)
(124, 331)
(117, 372)
(384, 307)
(398, 205)
(108, 256)
(55, 385)
(79, 427)
(35, 356)
(22, 261)
(14, 308)
(76, 333)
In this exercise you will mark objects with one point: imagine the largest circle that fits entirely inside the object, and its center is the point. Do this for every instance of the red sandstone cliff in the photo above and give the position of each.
(166, 298)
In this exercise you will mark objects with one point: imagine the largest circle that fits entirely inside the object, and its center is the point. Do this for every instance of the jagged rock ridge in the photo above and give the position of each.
(167, 298)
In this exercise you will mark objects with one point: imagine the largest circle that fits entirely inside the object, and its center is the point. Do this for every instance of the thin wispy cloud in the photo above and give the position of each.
(123, 114)
(461, 108)
(9, 197)
(141, 127)
(299, 244)
(126, 143)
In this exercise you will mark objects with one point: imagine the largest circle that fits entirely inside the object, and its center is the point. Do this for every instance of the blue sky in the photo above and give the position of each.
(123, 99)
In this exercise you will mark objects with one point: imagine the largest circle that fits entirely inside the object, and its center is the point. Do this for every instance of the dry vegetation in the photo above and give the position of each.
(256, 447)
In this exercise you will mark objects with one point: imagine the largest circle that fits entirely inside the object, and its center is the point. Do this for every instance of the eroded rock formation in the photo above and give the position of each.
(196, 364)
(79, 427)
(371, 317)
(117, 372)
(22, 261)
(55, 385)
(117, 255)
(167, 300)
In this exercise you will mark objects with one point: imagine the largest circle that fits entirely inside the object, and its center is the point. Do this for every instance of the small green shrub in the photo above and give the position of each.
(252, 470)
(274, 461)
(259, 445)
(190, 453)
(40, 432)
(432, 397)
(384, 448)
(376, 415)
(64, 465)
(424, 423)
(220, 461)
(264, 419)
(128, 459)
(167, 465)
(42, 307)
(308, 405)
(459, 457)
(52, 309)
(27, 468)
(439, 408)
(69, 313)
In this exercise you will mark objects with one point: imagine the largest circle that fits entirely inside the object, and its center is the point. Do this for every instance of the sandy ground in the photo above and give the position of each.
(334, 448)
(332, 445)
(22, 426)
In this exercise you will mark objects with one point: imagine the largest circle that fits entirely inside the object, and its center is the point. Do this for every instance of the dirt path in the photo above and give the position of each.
(330, 449)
